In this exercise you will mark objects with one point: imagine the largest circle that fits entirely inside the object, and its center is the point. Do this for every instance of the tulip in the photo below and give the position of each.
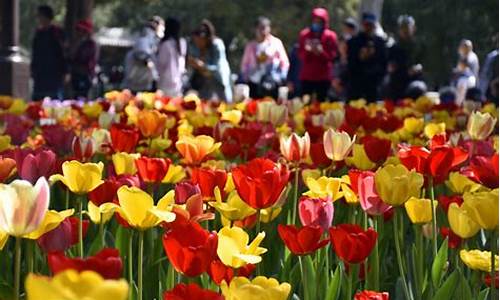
(70, 284)
(190, 248)
(31, 166)
(270, 111)
(219, 272)
(83, 148)
(151, 123)
(80, 178)
(208, 179)
(480, 125)
(302, 241)
(454, 241)
(23, 206)
(185, 190)
(260, 182)
(233, 249)
(124, 138)
(371, 295)
(337, 144)
(295, 148)
(413, 125)
(124, 163)
(138, 210)
(51, 220)
(414, 158)
(395, 184)
(318, 155)
(419, 210)
(377, 149)
(369, 199)
(242, 288)
(7, 168)
(485, 170)
(58, 138)
(233, 116)
(191, 291)
(478, 260)
(324, 187)
(58, 239)
(482, 208)
(461, 222)
(106, 192)
(195, 149)
(333, 118)
(316, 212)
(106, 263)
(99, 214)
(174, 174)
(152, 170)
(446, 201)
(460, 184)
(233, 208)
(351, 244)
(360, 159)
(92, 109)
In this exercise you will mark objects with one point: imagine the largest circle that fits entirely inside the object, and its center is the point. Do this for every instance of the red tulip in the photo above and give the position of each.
(58, 138)
(17, 127)
(414, 158)
(152, 169)
(208, 179)
(487, 279)
(377, 149)
(190, 248)
(302, 241)
(106, 262)
(83, 148)
(106, 192)
(318, 155)
(371, 295)
(184, 190)
(454, 241)
(58, 239)
(218, 271)
(354, 177)
(245, 136)
(260, 182)
(369, 199)
(485, 170)
(124, 138)
(191, 291)
(351, 243)
(316, 212)
(193, 211)
(74, 229)
(354, 116)
(445, 201)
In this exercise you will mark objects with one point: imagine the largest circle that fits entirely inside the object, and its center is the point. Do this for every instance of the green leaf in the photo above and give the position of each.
(310, 275)
(439, 264)
(333, 291)
(448, 288)
(483, 295)
(464, 291)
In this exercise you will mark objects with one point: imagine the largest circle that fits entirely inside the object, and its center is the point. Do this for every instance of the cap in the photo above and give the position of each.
(368, 17)
(406, 20)
(85, 25)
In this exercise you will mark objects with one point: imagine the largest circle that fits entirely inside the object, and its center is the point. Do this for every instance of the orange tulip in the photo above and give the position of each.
(7, 166)
(151, 123)
(195, 149)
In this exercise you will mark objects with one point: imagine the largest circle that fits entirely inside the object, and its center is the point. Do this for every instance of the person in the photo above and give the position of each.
(404, 59)
(264, 65)
(467, 54)
(293, 76)
(209, 66)
(172, 59)
(488, 78)
(317, 51)
(366, 61)
(349, 28)
(140, 62)
(48, 64)
(83, 59)
(464, 79)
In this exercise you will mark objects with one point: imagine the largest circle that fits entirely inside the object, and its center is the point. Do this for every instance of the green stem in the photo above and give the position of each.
(376, 264)
(139, 264)
(101, 232)
(493, 247)
(29, 255)
(434, 223)
(80, 227)
(257, 231)
(295, 194)
(349, 283)
(130, 266)
(304, 280)
(399, 257)
(419, 261)
(17, 269)
(66, 203)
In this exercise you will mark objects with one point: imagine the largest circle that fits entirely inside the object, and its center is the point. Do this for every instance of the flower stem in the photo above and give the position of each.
(304, 279)
(130, 266)
(101, 232)
(399, 257)
(80, 227)
(493, 247)
(29, 255)
(17, 269)
(434, 226)
(419, 261)
(376, 263)
(139, 264)
(349, 282)
(257, 231)
(295, 194)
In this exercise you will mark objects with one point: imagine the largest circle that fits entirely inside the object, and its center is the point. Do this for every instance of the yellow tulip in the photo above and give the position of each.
(233, 116)
(4, 237)
(195, 149)
(229, 186)
(124, 163)
(419, 210)
(269, 214)
(80, 178)
(234, 208)
(92, 109)
(482, 207)
(5, 142)
(359, 159)
(460, 184)
(432, 129)
(241, 288)
(395, 184)
(413, 125)
(233, 250)
(174, 174)
(99, 214)
(18, 107)
(184, 128)
(480, 125)
(313, 173)
(71, 285)
(51, 221)
(346, 191)
(461, 223)
(324, 187)
(337, 144)
(478, 260)
(160, 144)
(138, 210)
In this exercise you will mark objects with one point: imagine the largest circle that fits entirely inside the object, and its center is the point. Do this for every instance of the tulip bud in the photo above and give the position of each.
(316, 212)
(83, 148)
(480, 125)
(295, 148)
(337, 144)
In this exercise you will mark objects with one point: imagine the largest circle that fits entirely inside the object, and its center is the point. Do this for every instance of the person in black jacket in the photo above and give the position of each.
(366, 61)
(48, 65)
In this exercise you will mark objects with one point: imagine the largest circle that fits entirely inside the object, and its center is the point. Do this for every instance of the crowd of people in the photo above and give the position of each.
(359, 62)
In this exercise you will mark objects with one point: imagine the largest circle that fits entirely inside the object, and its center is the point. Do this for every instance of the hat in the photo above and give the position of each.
(406, 20)
(350, 22)
(85, 25)
(368, 17)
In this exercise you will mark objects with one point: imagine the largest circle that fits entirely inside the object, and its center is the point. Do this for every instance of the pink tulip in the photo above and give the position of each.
(316, 212)
(23, 206)
(368, 197)
(295, 148)
(184, 190)
(58, 239)
(32, 165)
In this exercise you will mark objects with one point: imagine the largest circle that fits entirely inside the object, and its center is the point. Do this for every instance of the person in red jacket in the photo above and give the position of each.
(317, 50)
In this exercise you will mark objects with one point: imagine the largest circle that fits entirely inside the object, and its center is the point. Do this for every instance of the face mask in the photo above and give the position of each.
(315, 27)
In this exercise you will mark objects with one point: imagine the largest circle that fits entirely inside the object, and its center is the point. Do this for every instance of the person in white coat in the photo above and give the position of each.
(172, 59)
